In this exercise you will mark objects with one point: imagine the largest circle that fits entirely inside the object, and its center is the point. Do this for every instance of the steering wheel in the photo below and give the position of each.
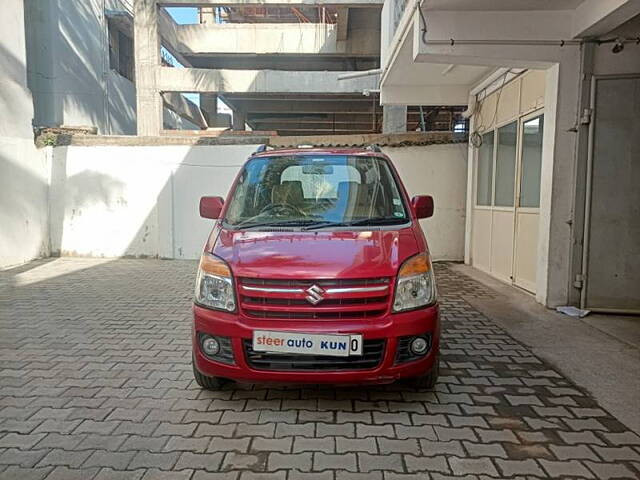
(283, 207)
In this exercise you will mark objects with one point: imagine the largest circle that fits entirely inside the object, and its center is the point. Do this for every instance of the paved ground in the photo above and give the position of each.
(95, 382)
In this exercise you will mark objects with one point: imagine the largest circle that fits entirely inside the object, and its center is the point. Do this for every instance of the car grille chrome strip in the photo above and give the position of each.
(326, 290)
(272, 289)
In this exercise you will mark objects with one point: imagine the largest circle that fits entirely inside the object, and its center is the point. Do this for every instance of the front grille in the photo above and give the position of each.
(372, 353)
(341, 298)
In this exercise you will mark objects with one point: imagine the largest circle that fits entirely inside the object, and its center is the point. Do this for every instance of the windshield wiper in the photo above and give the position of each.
(362, 221)
(272, 223)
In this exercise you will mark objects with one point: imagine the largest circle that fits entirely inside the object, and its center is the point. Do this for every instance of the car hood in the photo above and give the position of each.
(315, 255)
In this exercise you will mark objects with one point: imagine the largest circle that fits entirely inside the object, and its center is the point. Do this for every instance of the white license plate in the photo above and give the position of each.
(307, 343)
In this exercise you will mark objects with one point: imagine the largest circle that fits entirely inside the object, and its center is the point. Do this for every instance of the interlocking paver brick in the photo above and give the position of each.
(66, 473)
(20, 440)
(345, 461)
(511, 468)
(22, 458)
(612, 454)
(346, 445)
(485, 450)
(571, 468)
(95, 399)
(240, 445)
(298, 461)
(199, 461)
(163, 461)
(326, 444)
(472, 466)
(154, 474)
(464, 433)
(409, 445)
(20, 473)
(282, 445)
(578, 452)
(426, 464)
(115, 460)
(239, 461)
(64, 457)
(369, 463)
(497, 436)
(606, 471)
(111, 474)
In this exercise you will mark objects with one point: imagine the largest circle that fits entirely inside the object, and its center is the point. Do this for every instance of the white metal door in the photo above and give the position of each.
(528, 202)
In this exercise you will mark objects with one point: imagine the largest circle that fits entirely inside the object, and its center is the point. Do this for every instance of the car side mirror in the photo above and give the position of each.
(211, 207)
(422, 206)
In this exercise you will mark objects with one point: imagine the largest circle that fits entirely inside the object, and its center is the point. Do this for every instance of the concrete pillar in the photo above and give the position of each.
(394, 119)
(239, 120)
(558, 176)
(147, 62)
(209, 107)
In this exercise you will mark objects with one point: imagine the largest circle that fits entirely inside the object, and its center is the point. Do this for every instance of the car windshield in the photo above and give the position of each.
(314, 191)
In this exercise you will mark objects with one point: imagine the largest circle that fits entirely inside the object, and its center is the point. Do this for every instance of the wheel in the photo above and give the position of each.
(429, 380)
(209, 383)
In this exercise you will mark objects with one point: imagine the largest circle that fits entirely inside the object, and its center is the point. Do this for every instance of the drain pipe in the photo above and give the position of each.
(586, 240)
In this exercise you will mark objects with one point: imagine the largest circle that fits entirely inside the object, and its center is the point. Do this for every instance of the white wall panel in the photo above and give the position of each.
(143, 201)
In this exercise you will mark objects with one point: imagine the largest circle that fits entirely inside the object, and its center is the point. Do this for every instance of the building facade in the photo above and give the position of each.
(554, 103)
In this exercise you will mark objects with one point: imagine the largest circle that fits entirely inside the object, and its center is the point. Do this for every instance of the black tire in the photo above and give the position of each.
(208, 383)
(429, 380)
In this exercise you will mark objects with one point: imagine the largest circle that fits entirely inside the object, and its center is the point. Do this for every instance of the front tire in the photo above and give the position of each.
(206, 382)
(429, 380)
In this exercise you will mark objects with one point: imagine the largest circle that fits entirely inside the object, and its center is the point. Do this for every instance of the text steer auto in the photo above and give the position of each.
(316, 271)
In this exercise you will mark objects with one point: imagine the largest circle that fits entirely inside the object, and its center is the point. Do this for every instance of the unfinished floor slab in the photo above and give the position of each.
(96, 382)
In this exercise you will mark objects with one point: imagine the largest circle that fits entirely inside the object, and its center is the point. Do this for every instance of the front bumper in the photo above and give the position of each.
(390, 328)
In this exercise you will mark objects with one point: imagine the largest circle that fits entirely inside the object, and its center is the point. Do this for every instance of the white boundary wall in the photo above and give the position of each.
(110, 201)
(24, 171)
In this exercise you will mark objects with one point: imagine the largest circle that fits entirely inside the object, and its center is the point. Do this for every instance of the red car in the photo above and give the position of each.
(316, 271)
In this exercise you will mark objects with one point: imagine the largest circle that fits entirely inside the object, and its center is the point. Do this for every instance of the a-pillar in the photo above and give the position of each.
(394, 119)
(239, 120)
(147, 61)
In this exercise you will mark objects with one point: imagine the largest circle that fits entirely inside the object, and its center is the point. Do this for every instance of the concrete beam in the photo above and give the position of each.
(269, 38)
(168, 34)
(286, 106)
(429, 95)
(184, 108)
(497, 29)
(599, 17)
(257, 81)
(274, 3)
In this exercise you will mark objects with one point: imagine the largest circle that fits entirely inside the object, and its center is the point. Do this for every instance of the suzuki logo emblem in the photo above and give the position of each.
(315, 294)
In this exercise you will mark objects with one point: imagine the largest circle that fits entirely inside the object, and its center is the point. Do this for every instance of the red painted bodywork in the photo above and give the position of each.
(316, 255)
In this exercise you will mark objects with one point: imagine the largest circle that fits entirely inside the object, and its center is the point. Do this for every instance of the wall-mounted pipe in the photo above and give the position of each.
(363, 73)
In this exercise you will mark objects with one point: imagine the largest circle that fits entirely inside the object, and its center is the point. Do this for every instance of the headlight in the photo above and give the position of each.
(214, 284)
(416, 286)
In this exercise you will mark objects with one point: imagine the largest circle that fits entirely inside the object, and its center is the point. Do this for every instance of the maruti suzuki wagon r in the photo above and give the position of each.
(316, 271)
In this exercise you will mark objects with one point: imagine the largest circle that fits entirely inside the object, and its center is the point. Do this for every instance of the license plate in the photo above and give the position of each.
(307, 343)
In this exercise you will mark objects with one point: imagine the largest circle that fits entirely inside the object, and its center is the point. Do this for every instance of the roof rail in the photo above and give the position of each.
(374, 148)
